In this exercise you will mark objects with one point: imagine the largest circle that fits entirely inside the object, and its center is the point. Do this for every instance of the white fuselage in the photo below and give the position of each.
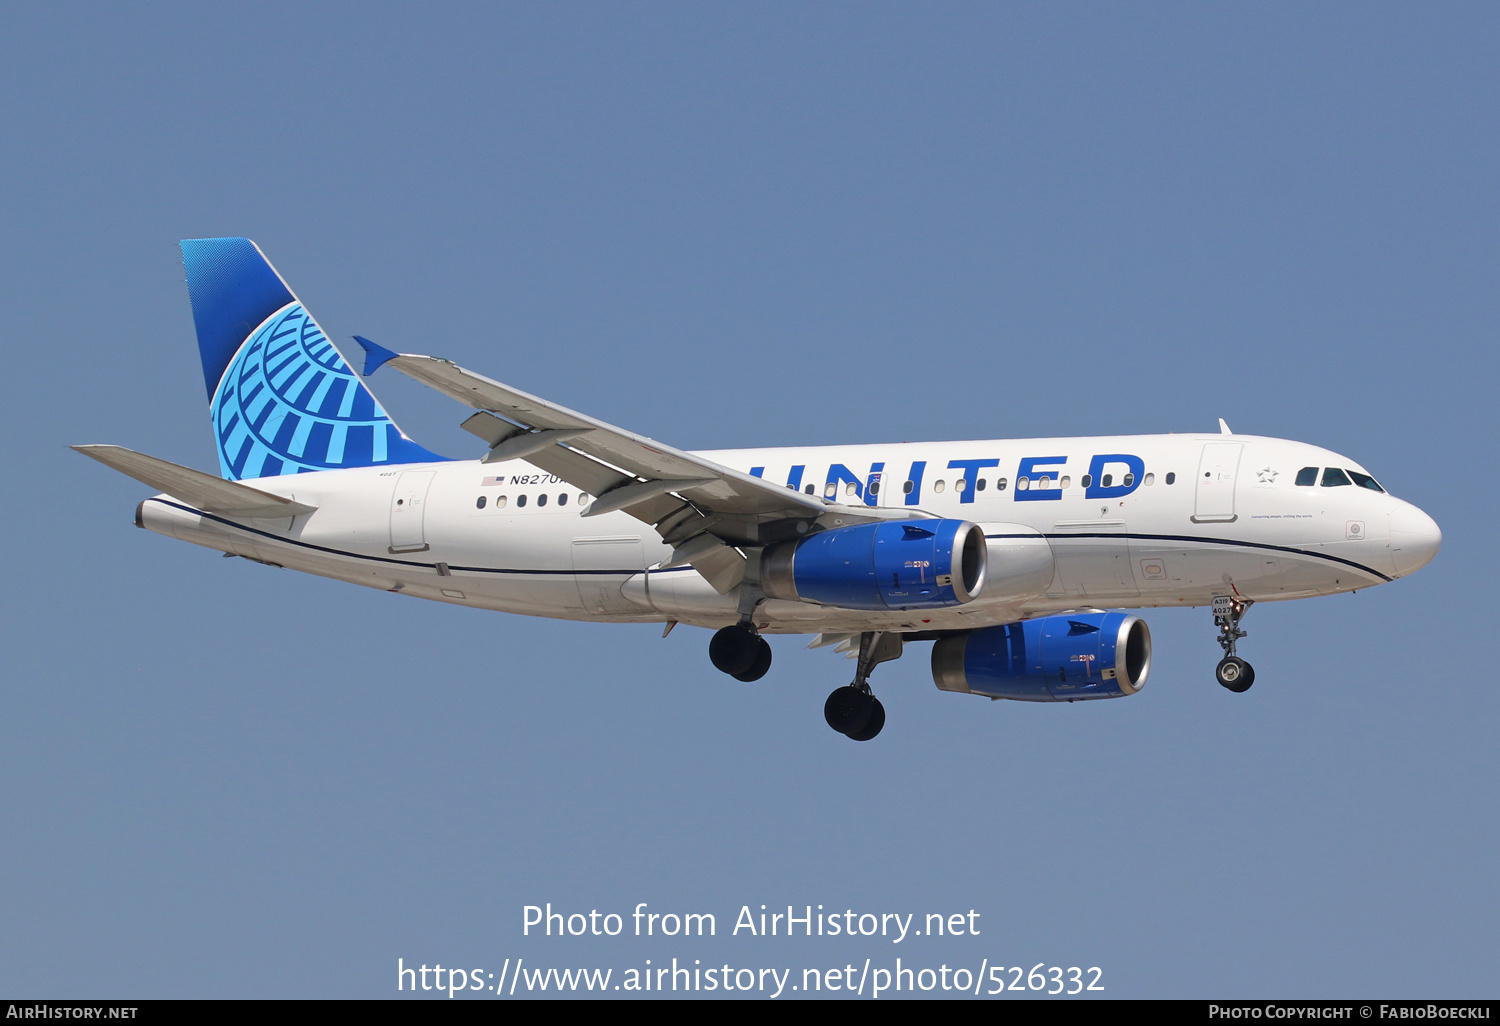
(1201, 515)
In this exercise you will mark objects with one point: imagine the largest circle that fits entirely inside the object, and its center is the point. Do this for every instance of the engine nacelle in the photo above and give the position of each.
(1057, 659)
(892, 564)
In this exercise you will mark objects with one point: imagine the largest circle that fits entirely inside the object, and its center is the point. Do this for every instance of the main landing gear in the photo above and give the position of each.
(853, 710)
(1232, 672)
(740, 652)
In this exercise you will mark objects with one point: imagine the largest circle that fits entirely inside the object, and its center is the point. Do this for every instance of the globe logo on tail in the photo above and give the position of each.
(288, 403)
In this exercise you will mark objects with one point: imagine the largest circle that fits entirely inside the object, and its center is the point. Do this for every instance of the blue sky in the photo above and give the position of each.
(737, 225)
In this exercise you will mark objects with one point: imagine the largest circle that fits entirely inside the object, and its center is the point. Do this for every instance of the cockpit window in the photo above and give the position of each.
(1307, 477)
(1333, 477)
(1366, 481)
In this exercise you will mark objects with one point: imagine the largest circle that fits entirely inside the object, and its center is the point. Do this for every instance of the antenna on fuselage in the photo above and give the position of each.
(1224, 428)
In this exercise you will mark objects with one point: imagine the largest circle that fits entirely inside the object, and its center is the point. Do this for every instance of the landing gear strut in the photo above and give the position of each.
(740, 652)
(853, 710)
(1232, 672)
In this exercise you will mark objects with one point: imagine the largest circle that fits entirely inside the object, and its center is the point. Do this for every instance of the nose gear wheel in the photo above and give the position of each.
(1235, 674)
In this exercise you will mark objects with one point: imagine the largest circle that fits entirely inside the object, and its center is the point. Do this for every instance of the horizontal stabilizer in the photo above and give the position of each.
(207, 492)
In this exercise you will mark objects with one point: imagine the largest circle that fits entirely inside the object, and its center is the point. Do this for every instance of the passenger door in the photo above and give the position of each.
(409, 510)
(1217, 468)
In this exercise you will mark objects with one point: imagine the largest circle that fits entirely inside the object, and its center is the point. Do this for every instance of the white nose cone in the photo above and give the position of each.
(1415, 539)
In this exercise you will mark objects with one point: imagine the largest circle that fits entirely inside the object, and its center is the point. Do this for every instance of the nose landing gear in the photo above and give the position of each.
(1232, 672)
(853, 710)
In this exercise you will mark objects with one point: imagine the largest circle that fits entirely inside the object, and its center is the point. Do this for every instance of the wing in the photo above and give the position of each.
(706, 511)
(205, 491)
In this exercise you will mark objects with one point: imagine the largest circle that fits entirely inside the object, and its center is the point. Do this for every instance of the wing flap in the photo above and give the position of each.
(717, 487)
(208, 492)
(578, 470)
(703, 509)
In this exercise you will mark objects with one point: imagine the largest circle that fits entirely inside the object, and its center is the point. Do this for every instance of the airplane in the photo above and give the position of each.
(1018, 558)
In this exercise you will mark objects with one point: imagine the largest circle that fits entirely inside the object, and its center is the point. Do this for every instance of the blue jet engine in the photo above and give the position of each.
(893, 564)
(1061, 658)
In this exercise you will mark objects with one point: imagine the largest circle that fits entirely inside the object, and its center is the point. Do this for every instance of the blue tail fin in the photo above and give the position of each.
(283, 399)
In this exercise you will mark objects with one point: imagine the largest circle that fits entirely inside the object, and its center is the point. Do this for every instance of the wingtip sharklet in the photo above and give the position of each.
(376, 356)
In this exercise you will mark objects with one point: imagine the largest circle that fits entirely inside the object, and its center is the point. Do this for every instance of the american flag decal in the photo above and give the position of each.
(493, 481)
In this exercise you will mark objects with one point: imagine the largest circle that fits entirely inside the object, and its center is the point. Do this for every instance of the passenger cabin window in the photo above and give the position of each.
(1307, 477)
(906, 488)
(1086, 480)
(499, 502)
(479, 502)
(520, 500)
(1333, 477)
(1107, 481)
(808, 489)
(1000, 484)
(1149, 479)
(1171, 478)
(981, 484)
(1366, 481)
(1129, 480)
(541, 500)
(562, 500)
